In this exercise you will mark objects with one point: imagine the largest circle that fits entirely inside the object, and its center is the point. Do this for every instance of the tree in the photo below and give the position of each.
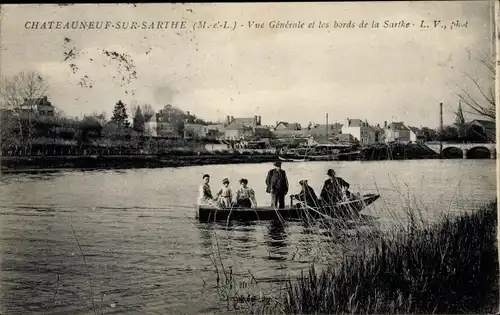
(8, 134)
(20, 96)
(139, 122)
(448, 133)
(88, 126)
(429, 134)
(174, 116)
(101, 118)
(133, 109)
(147, 111)
(120, 116)
(481, 100)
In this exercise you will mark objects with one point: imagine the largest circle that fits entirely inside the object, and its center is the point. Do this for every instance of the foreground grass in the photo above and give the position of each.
(449, 267)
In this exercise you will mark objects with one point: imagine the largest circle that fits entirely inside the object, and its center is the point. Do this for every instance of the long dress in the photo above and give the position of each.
(245, 197)
(308, 196)
(224, 197)
(205, 197)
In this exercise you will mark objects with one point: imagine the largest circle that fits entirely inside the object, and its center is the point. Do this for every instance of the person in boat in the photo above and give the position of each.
(334, 189)
(245, 196)
(205, 196)
(224, 196)
(306, 195)
(277, 185)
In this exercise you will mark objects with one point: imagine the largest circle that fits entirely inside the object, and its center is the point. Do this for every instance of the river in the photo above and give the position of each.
(146, 254)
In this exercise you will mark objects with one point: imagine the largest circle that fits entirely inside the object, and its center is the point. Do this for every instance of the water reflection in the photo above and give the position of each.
(245, 233)
(276, 240)
(240, 236)
(206, 231)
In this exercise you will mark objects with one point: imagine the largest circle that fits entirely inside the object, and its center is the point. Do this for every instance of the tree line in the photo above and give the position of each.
(23, 127)
(21, 124)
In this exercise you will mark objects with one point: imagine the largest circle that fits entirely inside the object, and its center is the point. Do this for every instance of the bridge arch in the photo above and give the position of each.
(452, 152)
(479, 152)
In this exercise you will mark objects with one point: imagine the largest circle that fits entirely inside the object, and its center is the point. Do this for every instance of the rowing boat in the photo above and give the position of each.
(347, 208)
(291, 159)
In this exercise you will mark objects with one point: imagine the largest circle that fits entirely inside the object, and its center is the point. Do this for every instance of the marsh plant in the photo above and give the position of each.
(447, 264)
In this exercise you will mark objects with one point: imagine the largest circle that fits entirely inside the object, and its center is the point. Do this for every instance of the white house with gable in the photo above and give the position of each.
(360, 130)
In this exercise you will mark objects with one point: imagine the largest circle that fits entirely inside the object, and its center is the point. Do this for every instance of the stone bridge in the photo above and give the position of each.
(467, 148)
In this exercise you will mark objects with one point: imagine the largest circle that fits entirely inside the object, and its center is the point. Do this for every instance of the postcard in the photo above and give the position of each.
(249, 158)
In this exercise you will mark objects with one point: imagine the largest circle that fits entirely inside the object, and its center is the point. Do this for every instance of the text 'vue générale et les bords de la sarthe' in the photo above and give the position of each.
(251, 24)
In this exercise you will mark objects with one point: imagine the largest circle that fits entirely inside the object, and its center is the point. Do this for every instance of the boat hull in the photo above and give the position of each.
(291, 159)
(347, 209)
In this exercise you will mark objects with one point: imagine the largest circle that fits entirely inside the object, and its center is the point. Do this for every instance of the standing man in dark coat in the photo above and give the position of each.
(277, 185)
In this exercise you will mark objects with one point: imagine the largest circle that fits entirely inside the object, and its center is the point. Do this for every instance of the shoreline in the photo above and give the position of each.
(48, 164)
(52, 164)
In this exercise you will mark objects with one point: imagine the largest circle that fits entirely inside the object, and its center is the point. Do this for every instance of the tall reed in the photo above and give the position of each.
(450, 267)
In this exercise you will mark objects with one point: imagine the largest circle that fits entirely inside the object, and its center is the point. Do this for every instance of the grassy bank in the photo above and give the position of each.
(450, 267)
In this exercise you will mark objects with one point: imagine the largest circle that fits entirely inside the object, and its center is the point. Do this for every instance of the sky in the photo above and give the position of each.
(294, 75)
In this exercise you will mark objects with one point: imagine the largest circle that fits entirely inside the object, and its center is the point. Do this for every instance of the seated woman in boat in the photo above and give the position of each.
(306, 195)
(335, 189)
(245, 196)
(224, 196)
(205, 197)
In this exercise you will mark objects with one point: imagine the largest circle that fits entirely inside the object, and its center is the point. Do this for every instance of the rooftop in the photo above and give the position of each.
(289, 126)
(237, 126)
(397, 126)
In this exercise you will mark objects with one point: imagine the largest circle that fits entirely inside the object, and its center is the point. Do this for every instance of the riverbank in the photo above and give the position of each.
(91, 162)
(95, 159)
(451, 267)
(397, 151)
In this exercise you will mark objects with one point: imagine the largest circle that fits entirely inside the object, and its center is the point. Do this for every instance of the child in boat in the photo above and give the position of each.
(205, 197)
(225, 195)
(245, 196)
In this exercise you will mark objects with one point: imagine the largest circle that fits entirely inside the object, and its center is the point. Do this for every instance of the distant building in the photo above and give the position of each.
(482, 129)
(241, 128)
(379, 133)
(416, 135)
(192, 130)
(238, 132)
(248, 121)
(262, 132)
(360, 130)
(345, 139)
(320, 130)
(167, 129)
(170, 122)
(216, 127)
(41, 107)
(397, 131)
(283, 125)
(151, 127)
(285, 130)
